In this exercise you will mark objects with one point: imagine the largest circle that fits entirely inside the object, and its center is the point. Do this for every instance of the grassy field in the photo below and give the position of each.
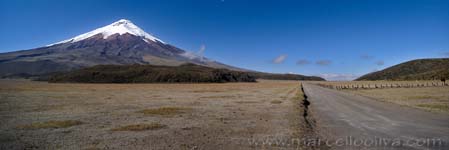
(139, 116)
(429, 98)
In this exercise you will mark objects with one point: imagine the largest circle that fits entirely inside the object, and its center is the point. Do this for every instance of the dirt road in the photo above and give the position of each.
(355, 122)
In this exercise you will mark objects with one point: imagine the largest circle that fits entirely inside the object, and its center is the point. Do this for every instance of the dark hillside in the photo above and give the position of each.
(420, 69)
(187, 73)
(272, 76)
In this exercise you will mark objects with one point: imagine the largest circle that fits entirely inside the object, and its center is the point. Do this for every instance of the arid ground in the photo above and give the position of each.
(39, 115)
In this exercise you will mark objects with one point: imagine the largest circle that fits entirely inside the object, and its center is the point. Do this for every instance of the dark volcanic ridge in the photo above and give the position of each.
(186, 73)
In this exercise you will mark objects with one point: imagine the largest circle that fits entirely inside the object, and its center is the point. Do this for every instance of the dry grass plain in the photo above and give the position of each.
(426, 97)
(435, 99)
(39, 115)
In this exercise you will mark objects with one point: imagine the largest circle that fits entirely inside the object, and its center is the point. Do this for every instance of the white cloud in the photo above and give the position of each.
(279, 59)
(323, 62)
(302, 62)
(338, 77)
(202, 49)
(197, 55)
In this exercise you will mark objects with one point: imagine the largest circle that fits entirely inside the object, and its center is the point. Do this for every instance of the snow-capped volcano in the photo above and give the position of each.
(119, 27)
(121, 42)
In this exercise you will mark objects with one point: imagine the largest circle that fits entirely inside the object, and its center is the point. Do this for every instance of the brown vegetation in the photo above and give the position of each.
(276, 102)
(429, 98)
(229, 116)
(163, 111)
(50, 124)
(140, 127)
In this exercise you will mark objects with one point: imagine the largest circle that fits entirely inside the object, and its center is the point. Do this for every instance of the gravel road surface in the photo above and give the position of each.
(350, 121)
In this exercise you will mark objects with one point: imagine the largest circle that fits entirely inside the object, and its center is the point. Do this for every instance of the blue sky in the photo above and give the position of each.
(337, 39)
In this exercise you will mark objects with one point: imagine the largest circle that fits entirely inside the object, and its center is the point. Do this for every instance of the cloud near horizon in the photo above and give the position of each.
(445, 54)
(323, 62)
(338, 77)
(280, 59)
(201, 50)
(302, 62)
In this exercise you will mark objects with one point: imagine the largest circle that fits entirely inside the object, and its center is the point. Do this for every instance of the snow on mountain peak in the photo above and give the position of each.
(121, 21)
(121, 27)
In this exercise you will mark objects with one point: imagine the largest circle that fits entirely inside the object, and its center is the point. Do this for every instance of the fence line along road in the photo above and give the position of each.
(382, 84)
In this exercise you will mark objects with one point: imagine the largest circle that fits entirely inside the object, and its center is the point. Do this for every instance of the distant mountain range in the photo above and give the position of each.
(420, 69)
(120, 43)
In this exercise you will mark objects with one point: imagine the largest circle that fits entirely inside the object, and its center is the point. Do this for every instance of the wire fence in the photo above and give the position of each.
(354, 85)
